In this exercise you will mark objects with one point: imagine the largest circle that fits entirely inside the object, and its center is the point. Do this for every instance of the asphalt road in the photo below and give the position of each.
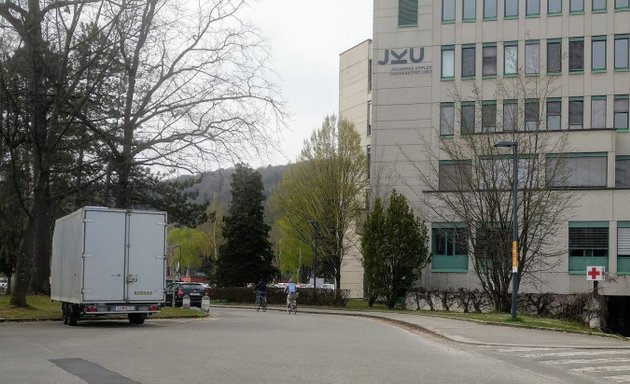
(243, 346)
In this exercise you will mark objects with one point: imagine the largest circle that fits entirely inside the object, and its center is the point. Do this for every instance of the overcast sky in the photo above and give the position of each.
(306, 38)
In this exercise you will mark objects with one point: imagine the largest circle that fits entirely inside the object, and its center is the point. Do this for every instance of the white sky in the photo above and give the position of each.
(306, 38)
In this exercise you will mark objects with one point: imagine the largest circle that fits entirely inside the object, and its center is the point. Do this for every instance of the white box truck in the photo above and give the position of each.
(109, 262)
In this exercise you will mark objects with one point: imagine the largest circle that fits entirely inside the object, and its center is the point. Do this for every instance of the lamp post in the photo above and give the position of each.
(514, 145)
(315, 226)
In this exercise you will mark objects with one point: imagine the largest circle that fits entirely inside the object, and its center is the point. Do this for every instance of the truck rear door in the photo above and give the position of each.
(103, 256)
(145, 279)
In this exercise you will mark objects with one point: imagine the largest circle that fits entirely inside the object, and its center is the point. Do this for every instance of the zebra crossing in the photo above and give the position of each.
(604, 365)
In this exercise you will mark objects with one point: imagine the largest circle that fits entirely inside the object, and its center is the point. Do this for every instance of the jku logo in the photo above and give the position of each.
(401, 57)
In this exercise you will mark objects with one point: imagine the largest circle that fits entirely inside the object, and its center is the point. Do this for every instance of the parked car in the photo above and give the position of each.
(328, 286)
(195, 291)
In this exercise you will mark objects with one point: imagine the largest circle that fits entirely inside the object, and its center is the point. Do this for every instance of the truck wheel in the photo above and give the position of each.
(136, 318)
(75, 313)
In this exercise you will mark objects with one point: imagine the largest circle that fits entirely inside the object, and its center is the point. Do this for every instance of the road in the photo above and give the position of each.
(243, 346)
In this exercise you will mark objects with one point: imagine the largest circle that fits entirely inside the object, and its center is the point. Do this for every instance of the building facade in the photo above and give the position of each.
(436, 71)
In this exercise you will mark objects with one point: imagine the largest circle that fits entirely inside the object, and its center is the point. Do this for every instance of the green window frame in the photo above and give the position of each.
(554, 56)
(489, 116)
(469, 61)
(449, 251)
(576, 55)
(576, 7)
(623, 247)
(622, 171)
(622, 52)
(598, 111)
(599, 6)
(489, 60)
(577, 170)
(620, 113)
(448, 11)
(447, 72)
(447, 119)
(589, 244)
(467, 121)
(554, 7)
(469, 11)
(490, 10)
(554, 113)
(407, 13)
(510, 9)
(622, 5)
(510, 50)
(598, 54)
(532, 8)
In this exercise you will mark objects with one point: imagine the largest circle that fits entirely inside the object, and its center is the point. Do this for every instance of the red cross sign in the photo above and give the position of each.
(595, 273)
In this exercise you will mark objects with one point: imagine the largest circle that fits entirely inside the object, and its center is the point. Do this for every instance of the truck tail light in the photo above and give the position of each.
(153, 308)
(92, 308)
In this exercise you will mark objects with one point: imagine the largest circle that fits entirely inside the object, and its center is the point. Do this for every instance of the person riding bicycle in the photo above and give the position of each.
(261, 291)
(291, 290)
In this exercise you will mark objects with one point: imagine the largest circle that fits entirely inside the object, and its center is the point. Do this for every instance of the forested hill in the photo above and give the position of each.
(219, 182)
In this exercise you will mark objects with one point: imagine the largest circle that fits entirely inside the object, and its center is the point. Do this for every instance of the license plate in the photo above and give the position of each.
(195, 294)
(124, 308)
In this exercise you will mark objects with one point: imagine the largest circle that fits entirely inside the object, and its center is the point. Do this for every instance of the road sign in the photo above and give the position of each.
(595, 273)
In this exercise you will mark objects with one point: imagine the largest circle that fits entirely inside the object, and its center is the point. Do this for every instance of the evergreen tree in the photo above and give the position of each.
(246, 256)
(395, 249)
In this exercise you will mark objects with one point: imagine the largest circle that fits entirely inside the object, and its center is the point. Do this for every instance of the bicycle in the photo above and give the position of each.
(262, 304)
(292, 307)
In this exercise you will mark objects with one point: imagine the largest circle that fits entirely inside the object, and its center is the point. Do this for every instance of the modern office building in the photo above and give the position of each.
(436, 71)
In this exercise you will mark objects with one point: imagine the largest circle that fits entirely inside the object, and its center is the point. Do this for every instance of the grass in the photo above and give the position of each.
(488, 318)
(42, 308)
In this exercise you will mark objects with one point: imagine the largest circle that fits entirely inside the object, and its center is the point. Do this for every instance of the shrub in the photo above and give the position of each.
(277, 296)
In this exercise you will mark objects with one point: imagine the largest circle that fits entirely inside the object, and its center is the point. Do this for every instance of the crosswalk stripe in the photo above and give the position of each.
(523, 349)
(605, 368)
(618, 379)
(576, 353)
(588, 361)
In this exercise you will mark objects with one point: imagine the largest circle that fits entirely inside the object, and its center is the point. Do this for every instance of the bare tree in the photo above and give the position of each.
(470, 181)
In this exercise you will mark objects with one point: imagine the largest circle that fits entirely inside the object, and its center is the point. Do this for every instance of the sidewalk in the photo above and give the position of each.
(478, 333)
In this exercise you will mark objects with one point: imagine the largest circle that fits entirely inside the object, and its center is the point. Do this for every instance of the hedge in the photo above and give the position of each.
(306, 296)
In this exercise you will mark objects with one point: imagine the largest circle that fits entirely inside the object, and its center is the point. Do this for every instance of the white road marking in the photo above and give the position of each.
(523, 349)
(576, 353)
(605, 368)
(618, 379)
(588, 361)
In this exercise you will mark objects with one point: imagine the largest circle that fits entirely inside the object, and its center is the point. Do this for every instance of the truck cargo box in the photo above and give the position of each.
(109, 262)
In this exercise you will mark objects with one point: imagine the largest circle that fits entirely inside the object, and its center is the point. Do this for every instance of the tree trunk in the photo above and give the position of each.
(23, 268)
(41, 239)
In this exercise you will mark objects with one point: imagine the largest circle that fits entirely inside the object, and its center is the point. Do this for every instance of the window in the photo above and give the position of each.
(407, 13)
(554, 7)
(623, 247)
(490, 60)
(621, 51)
(576, 6)
(369, 118)
(554, 56)
(498, 171)
(598, 53)
(622, 4)
(598, 112)
(450, 248)
(368, 154)
(469, 11)
(532, 57)
(447, 119)
(577, 170)
(468, 118)
(489, 116)
(622, 171)
(554, 114)
(510, 58)
(448, 62)
(576, 113)
(576, 55)
(599, 5)
(588, 245)
(531, 115)
(370, 73)
(489, 9)
(468, 61)
(510, 115)
(454, 175)
(621, 112)
(448, 10)
(511, 8)
(532, 7)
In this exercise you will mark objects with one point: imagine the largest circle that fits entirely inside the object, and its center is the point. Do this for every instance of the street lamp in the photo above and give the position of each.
(315, 226)
(514, 145)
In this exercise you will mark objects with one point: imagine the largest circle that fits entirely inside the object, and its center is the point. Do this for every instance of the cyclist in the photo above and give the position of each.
(261, 291)
(291, 290)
